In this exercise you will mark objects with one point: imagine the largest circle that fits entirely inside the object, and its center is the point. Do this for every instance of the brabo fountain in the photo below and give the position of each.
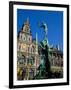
(44, 67)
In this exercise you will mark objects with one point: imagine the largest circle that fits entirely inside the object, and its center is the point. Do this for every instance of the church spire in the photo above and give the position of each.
(26, 26)
(36, 43)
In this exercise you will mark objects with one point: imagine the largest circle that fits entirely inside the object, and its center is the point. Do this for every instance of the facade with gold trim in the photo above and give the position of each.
(56, 61)
(27, 53)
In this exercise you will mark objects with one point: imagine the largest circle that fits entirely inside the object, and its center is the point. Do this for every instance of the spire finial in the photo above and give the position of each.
(27, 20)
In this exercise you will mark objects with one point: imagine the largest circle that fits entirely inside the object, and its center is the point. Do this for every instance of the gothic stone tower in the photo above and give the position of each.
(27, 53)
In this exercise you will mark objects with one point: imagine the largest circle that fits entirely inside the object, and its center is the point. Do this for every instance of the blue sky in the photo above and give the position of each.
(53, 19)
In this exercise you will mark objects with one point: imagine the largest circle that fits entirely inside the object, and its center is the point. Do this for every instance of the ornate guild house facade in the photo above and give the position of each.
(27, 53)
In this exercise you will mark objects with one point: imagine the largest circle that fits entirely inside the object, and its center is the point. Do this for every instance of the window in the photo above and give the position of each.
(31, 74)
(22, 60)
(31, 50)
(31, 60)
(24, 37)
(28, 49)
(29, 38)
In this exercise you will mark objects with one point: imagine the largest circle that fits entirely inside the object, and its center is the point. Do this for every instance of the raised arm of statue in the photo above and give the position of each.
(44, 25)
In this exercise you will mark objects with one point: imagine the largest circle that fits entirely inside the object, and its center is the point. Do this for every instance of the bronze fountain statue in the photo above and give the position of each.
(44, 67)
